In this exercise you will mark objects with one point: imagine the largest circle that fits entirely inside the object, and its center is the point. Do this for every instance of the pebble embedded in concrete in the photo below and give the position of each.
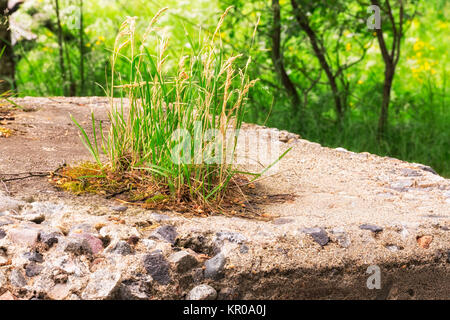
(158, 267)
(215, 266)
(202, 292)
(371, 227)
(183, 261)
(319, 235)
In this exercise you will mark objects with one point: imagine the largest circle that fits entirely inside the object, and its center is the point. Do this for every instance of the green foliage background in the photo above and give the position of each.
(419, 119)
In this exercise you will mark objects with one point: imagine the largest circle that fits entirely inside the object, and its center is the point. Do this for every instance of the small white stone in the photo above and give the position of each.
(149, 244)
(202, 292)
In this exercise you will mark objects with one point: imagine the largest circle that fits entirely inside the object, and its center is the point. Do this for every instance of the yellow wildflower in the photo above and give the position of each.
(418, 45)
(442, 25)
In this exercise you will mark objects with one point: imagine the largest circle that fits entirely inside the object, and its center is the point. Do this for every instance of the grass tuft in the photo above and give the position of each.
(175, 139)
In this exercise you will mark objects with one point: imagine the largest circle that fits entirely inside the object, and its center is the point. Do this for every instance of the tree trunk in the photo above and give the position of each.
(7, 64)
(277, 57)
(302, 20)
(82, 79)
(61, 49)
(384, 112)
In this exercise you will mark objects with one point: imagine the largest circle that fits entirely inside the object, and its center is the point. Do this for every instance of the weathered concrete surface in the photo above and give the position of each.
(350, 211)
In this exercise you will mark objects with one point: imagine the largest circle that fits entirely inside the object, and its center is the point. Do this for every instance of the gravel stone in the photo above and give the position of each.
(95, 243)
(429, 169)
(371, 227)
(17, 279)
(183, 261)
(119, 208)
(50, 238)
(102, 285)
(24, 236)
(214, 266)
(319, 235)
(33, 269)
(157, 266)
(133, 290)
(123, 248)
(243, 249)
(202, 292)
(34, 256)
(235, 237)
(167, 233)
(78, 246)
(342, 237)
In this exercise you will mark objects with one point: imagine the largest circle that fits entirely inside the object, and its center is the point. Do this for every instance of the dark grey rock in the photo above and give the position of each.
(448, 256)
(33, 269)
(243, 248)
(319, 235)
(235, 237)
(17, 278)
(202, 292)
(371, 227)
(50, 238)
(167, 233)
(123, 248)
(34, 256)
(119, 208)
(2, 234)
(157, 266)
(78, 246)
(198, 275)
(214, 266)
(183, 261)
(429, 169)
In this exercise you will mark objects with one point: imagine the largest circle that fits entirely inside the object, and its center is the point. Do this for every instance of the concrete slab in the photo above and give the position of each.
(350, 211)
